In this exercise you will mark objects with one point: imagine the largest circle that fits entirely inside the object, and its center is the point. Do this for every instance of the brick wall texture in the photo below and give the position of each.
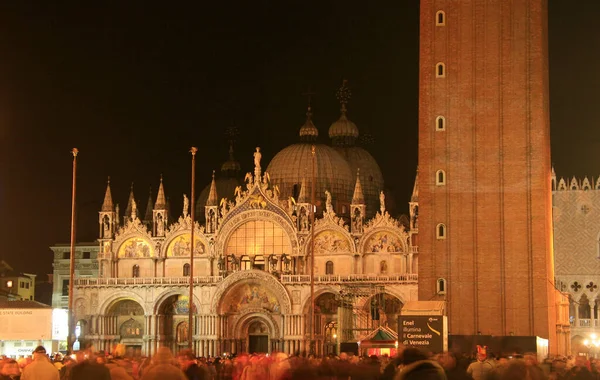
(497, 202)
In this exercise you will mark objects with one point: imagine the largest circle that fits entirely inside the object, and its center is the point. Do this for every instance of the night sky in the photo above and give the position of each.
(134, 85)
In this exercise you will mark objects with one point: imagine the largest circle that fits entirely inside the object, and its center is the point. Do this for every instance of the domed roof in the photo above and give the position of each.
(332, 173)
(343, 127)
(308, 132)
(225, 189)
(231, 167)
(343, 131)
(370, 174)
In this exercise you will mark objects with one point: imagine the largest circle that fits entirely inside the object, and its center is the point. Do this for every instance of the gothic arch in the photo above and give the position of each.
(403, 298)
(279, 291)
(120, 296)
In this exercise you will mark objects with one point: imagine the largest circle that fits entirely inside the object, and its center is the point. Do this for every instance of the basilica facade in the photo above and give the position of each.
(254, 251)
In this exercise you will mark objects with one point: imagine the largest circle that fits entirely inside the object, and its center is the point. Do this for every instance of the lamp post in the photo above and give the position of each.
(193, 150)
(71, 335)
(312, 254)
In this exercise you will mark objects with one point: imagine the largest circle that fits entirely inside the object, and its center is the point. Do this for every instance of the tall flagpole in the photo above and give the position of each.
(71, 336)
(193, 150)
(312, 254)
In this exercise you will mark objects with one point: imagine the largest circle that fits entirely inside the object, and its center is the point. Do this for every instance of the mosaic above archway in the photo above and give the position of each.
(181, 245)
(252, 295)
(384, 241)
(135, 247)
(331, 242)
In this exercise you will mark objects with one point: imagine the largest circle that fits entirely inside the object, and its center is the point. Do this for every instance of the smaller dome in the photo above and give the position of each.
(343, 131)
(343, 127)
(225, 189)
(231, 167)
(308, 132)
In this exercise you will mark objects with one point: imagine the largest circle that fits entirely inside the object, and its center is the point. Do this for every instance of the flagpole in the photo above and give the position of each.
(71, 336)
(312, 255)
(193, 150)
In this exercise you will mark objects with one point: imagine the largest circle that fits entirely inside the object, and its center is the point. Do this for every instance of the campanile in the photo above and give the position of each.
(485, 201)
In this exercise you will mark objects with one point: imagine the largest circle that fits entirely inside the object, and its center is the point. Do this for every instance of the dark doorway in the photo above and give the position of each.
(258, 344)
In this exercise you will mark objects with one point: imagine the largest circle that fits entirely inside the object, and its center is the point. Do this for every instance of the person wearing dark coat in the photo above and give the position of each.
(417, 366)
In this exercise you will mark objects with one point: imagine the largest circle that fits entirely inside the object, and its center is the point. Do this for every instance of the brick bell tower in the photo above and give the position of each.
(485, 201)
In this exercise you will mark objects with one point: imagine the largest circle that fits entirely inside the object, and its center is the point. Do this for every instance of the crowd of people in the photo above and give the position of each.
(410, 364)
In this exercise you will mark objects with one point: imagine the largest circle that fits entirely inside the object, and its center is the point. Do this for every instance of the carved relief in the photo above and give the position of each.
(331, 242)
(384, 241)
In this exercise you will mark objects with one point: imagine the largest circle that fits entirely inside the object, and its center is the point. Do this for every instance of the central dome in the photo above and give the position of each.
(332, 172)
(293, 164)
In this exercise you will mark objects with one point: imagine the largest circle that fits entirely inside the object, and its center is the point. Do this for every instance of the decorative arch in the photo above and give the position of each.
(270, 282)
(318, 293)
(245, 319)
(382, 240)
(330, 238)
(178, 244)
(235, 220)
(160, 300)
(135, 247)
(113, 298)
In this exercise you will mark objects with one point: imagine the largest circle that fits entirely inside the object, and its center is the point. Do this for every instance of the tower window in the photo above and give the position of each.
(135, 271)
(186, 270)
(329, 267)
(440, 70)
(440, 123)
(440, 178)
(440, 18)
(440, 231)
(441, 286)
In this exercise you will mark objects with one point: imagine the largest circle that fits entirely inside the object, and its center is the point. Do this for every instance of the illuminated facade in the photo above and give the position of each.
(252, 261)
(576, 218)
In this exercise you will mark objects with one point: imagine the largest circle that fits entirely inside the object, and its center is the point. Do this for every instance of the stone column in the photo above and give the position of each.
(577, 315)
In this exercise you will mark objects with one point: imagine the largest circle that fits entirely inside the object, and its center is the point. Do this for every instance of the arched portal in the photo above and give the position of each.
(382, 309)
(173, 321)
(326, 323)
(126, 320)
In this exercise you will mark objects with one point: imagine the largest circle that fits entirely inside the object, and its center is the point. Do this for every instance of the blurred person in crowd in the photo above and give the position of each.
(187, 362)
(65, 371)
(9, 370)
(480, 368)
(163, 367)
(40, 368)
(449, 361)
(87, 368)
(580, 370)
(416, 365)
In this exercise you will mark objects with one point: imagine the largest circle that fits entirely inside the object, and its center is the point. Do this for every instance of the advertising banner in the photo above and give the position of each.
(26, 324)
(428, 333)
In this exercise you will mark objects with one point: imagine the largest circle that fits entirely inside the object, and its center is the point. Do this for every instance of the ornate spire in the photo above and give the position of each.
(343, 95)
(161, 202)
(213, 199)
(358, 198)
(302, 197)
(415, 194)
(149, 208)
(107, 205)
(131, 204)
